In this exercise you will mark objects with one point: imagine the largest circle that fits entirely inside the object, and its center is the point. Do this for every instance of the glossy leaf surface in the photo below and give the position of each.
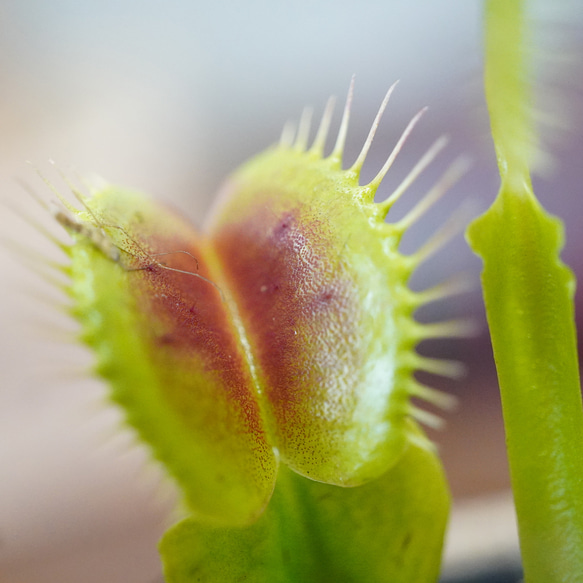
(528, 293)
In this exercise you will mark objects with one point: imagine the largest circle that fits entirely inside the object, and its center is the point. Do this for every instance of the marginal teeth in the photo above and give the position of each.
(341, 139)
(462, 328)
(29, 220)
(425, 417)
(445, 368)
(427, 158)
(322, 134)
(288, 135)
(374, 183)
(452, 227)
(456, 328)
(367, 144)
(438, 398)
(447, 180)
(459, 284)
(43, 266)
(51, 279)
(304, 130)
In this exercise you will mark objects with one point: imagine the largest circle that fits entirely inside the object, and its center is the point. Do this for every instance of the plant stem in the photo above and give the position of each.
(528, 293)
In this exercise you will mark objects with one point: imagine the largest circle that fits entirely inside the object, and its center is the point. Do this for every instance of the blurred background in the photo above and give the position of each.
(171, 97)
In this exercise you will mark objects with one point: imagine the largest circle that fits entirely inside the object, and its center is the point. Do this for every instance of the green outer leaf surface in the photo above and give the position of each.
(387, 531)
(528, 294)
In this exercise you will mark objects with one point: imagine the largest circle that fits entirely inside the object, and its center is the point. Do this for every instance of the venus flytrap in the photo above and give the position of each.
(268, 363)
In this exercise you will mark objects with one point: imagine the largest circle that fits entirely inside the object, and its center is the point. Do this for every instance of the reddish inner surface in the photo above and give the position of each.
(288, 281)
(192, 330)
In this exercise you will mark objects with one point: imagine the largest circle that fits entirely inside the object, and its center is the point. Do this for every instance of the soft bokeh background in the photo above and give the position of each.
(169, 98)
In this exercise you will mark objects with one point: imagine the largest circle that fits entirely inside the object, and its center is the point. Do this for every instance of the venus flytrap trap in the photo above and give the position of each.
(268, 363)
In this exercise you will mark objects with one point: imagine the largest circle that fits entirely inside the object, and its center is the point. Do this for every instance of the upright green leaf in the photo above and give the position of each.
(528, 293)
